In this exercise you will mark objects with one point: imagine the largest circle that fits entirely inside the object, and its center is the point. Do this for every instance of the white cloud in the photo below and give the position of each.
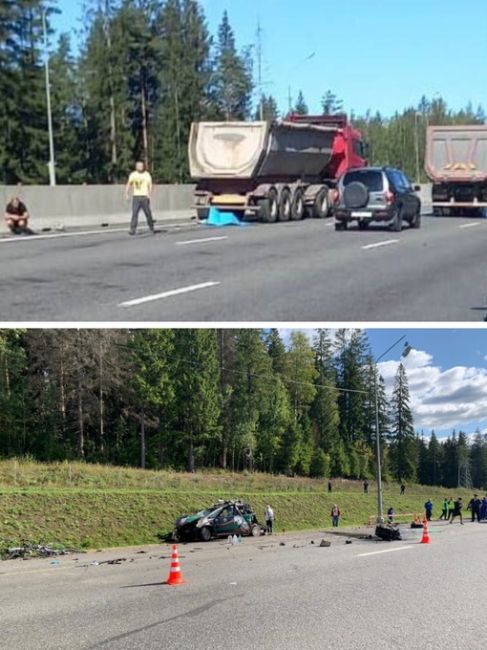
(441, 399)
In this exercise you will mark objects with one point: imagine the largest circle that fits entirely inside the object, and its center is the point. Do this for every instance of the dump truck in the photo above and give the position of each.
(456, 163)
(275, 171)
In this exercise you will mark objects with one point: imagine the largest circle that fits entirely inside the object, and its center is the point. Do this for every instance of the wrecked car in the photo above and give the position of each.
(220, 520)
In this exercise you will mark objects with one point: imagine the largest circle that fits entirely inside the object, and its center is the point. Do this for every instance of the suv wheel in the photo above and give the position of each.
(396, 224)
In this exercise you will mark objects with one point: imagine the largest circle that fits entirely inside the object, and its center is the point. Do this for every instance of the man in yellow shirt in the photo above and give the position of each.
(140, 182)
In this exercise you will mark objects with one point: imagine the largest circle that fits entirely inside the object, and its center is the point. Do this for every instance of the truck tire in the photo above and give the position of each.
(396, 223)
(268, 208)
(297, 205)
(202, 213)
(355, 195)
(321, 206)
(205, 534)
(416, 221)
(285, 205)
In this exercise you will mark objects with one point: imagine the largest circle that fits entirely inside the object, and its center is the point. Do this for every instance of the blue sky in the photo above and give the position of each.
(377, 54)
(447, 372)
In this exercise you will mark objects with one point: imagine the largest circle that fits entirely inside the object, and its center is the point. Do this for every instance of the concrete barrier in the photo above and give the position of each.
(92, 206)
(89, 206)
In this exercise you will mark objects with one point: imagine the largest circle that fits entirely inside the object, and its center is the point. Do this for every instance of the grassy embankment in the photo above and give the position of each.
(97, 506)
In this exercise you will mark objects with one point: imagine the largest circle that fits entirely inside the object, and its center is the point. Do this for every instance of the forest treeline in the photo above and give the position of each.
(241, 399)
(129, 84)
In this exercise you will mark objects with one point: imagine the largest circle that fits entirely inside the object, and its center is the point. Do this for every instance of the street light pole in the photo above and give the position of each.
(51, 164)
(405, 352)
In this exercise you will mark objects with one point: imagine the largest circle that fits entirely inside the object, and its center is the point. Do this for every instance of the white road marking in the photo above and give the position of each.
(387, 550)
(200, 241)
(168, 294)
(380, 244)
(469, 225)
(80, 233)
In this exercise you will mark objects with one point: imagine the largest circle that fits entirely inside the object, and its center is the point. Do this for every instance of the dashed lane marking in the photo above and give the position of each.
(168, 294)
(380, 244)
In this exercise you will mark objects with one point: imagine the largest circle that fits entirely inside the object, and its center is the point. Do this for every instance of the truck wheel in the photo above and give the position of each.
(416, 222)
(297, 207)
(202, 213)
(285, 205)
(268, 207)
(396, 224)
(205, 534)
(321, 205)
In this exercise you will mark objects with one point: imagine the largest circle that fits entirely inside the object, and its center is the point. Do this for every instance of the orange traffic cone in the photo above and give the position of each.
(426, 536)
(175, 577)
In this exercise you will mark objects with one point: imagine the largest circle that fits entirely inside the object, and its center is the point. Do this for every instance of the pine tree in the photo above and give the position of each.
(324, 411)
(402, 435)
(185, 85)
(267, 109)
(301, 107)
(331, 104)
(233, 76)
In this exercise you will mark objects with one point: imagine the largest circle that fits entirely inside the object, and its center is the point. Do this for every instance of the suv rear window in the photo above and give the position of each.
(370, 178)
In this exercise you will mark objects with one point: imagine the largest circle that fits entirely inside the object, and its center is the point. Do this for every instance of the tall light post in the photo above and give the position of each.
(51, 164)
(405, 352)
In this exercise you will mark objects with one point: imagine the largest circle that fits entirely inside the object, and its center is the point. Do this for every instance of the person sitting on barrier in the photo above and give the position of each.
(17, 216)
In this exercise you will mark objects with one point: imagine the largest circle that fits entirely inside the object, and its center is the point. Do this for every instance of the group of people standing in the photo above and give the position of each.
(452, 508)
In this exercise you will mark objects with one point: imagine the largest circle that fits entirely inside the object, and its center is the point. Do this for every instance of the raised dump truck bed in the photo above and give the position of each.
(277, 170)
(456, 163)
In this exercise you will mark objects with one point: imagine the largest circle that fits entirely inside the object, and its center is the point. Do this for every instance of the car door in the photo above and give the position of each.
(410, 200)
(224, 523)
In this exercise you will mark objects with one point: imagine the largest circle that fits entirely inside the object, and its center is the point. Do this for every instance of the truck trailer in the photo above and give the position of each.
(273, 171)
(456, 163)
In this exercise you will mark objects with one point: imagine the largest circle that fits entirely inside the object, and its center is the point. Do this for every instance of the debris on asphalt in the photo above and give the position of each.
(324, 543)
(282, 544)
(27, 550)
(312, 541)
(348, 541)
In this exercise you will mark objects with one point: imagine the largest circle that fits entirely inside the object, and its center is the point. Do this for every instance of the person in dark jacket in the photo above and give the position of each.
(390, 515)
(474, 507)
(428, 508)
(483, 509)
(330, 487)
(366, 487)
(457, 510)
(403, 489)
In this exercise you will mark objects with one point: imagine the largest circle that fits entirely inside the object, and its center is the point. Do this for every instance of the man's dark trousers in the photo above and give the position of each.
(141, 203)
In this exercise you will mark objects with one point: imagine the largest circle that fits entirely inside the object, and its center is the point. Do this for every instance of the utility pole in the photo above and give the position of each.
(51, 164)
(259, 72)
(416, 140)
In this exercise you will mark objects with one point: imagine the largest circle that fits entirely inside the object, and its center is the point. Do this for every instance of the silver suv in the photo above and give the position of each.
(382, 194)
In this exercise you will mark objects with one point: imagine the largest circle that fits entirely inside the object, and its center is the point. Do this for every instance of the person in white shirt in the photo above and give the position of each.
(269, 518)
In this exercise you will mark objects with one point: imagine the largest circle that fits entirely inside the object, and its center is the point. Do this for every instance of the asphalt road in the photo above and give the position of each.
(302, 271)
(367, 595)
